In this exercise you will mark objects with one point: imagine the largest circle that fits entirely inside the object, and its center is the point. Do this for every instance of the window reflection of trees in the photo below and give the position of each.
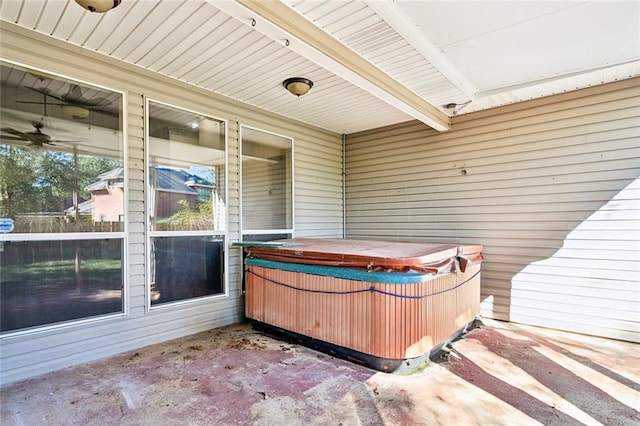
(61, 147)
(186, 204)
(57, 138)
(45, 191)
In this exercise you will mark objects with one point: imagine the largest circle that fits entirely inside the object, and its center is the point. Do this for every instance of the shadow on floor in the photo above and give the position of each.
(549, 381)
(498, 374)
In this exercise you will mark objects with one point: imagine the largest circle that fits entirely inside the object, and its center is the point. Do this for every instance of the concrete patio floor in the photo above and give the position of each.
(499, 373)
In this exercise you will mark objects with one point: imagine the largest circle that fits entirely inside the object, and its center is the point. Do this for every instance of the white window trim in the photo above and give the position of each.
(74, 324)
(244, 232)
(149, 234)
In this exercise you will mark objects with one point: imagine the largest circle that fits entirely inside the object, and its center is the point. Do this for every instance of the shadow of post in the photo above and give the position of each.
(575, 390)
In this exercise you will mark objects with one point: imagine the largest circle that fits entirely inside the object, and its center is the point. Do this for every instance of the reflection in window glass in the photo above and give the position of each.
(61, 154)
(267, 182)
(187, 205)
(61, 173)
(48, 282)
(186, 170)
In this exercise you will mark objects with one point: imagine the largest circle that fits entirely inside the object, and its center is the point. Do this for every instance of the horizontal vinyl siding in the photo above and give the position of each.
(318, 195)
(135, 273)
(550, 188)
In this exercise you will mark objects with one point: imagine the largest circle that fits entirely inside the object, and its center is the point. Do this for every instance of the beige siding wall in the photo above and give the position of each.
(318, 206)
(550, 187)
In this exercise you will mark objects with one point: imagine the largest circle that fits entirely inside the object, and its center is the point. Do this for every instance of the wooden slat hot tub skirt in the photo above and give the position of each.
(381, 319)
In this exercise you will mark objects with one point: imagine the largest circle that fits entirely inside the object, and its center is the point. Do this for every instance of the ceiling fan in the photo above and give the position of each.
(35, 139)
(73, 103)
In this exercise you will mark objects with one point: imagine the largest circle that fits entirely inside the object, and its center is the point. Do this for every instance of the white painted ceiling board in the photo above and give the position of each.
(159, 30)
(223, 55)
(351, 16)
(450, 24)
(533, 48)
(67, 21)
(50, 16)
(217, 42)
(192, 44)
(499, 44)
(227, 78)
(173, 43)
(380, 44)
(400, 57)
(315, 8)
(87, 24)
(10, 10)
(120, 47)
(269, 68)
(29, 15)
(112, 30)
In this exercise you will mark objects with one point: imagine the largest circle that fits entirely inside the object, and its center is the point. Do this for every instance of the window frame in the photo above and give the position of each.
(66, 236)
(150, 234)
(274, 231)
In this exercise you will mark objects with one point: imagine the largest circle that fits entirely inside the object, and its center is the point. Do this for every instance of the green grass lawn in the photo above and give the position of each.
(93, 272)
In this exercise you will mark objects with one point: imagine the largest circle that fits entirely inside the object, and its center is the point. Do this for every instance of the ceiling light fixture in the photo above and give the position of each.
(297, 85)
(99, 6)
(70, 112)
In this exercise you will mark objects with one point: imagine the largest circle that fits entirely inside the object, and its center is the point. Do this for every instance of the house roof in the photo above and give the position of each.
(373, 63)
(170, 179)
(84, 207)
(167, 179)
(105, 178)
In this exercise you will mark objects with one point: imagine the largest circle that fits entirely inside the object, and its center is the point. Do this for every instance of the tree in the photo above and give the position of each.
(191, 219)
(90, 168)
(45, 181)
(18, 191)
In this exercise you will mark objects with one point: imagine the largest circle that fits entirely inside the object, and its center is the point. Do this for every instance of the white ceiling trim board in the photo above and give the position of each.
(559, 77)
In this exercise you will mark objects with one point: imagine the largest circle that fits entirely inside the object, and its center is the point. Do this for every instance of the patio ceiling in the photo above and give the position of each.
(373, 63)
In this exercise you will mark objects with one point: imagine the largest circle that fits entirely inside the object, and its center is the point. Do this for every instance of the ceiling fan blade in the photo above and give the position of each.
(41, 90)
(110, 112)
(12, 138)
(36, 102)
(45, 91)
(97, 102)
(15, 132)
(74, 96)
(62, 141)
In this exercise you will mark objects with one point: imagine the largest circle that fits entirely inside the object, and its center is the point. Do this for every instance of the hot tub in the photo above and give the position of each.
(382, 304)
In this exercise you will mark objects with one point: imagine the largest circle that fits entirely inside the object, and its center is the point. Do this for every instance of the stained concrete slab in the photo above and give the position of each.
(498, 374)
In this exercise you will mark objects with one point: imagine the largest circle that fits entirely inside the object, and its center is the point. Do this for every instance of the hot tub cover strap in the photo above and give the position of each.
(371, 289)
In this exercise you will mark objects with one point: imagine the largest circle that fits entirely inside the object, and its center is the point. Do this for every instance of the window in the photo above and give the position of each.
(48, 282)
(62, 186)
(267, 183)
(186, 204)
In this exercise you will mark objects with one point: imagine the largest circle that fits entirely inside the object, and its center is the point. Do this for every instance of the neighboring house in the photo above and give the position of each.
(107, 196)
(84, 209)
(171, 185)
